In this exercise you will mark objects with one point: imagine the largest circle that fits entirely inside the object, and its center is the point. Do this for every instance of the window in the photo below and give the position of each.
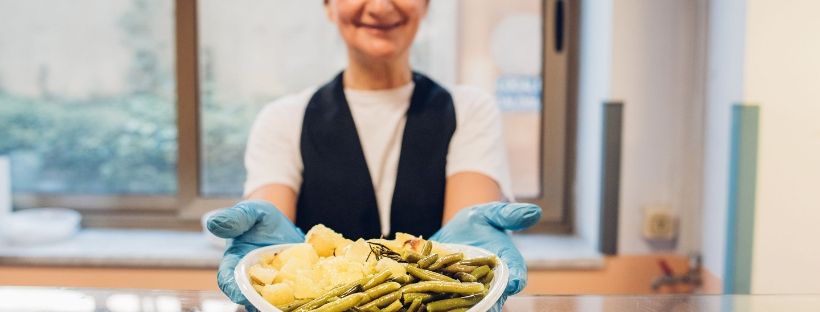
(95, 113)
(88, 107)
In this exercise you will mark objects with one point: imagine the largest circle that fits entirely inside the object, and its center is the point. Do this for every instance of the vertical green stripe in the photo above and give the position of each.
(742, 191)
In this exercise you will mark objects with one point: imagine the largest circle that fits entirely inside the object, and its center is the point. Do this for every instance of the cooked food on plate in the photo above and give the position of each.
(332, 273)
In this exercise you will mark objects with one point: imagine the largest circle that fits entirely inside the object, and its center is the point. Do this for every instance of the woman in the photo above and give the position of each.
(379, 149)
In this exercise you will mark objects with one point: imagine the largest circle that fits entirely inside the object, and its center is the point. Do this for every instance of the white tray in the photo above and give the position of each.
(497, 286)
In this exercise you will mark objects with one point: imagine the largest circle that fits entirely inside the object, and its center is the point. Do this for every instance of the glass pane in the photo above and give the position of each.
(87, 96)
(254, 51)
(501, 52)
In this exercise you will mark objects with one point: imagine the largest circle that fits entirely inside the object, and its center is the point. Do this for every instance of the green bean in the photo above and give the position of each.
(393, 307)
(377, 279)
(426, 275)
(487, 279)
(404, 279)
(446, 260)
(414, 305)
(342, 304)
(425, 297)
(454, 303)
(488, 260)
(427, 248)
(369, 309)
(427, 261)
(379, 291)
(293, 305)
(335, 292)
(458, 310)
(383, 301)
(453, 268)
(444, 287)
(480, 271)
(465, 277)
(411, 256)
(409, 297)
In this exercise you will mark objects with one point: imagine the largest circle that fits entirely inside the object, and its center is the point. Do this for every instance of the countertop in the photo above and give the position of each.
(29, 299)
(192, 250)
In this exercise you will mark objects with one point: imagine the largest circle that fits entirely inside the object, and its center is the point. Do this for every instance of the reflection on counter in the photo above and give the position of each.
(23, 299)
(26, 299)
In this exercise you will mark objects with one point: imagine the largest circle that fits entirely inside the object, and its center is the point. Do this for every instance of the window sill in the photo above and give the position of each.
(120, 248)
(558, 252)
(177, 249)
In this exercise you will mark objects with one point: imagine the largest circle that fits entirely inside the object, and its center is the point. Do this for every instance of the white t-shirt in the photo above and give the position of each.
(273, 152)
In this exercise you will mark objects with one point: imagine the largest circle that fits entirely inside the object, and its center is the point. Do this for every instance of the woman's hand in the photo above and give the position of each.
(485, 226)
(249, 225)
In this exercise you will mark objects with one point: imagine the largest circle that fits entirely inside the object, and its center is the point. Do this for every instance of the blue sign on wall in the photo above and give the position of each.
(518, 93)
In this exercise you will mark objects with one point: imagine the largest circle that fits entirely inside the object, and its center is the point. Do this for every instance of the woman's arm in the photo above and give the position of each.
(465, 189)
(281, 196)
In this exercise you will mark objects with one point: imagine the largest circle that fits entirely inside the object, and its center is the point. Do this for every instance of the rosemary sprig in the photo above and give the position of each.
(381, 251)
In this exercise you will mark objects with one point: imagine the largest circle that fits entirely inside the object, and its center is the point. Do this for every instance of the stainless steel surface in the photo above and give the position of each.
(30, 299)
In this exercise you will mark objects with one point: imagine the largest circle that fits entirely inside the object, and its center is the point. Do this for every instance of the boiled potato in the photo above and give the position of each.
(403, 237)
(278, 294)
(387, 264)
(300, 252)
(305, 285)
(262, 274)
(358, 251)
(325, 241)
(291, 269)
(339, 270)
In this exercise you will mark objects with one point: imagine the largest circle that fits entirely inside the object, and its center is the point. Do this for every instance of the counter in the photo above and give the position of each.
(25, 299)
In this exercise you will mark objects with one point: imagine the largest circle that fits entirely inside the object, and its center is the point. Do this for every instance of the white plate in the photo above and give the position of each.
(497, 286)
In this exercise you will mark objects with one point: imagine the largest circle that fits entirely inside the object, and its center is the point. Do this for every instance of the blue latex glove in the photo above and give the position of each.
(485, 226)
(249, 225)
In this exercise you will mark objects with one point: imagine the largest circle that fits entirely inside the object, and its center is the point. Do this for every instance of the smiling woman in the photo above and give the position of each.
(377, 32)
(257, 51)
(94, 126)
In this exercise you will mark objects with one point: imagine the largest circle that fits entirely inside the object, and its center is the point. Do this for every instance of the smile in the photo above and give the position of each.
(382, 27)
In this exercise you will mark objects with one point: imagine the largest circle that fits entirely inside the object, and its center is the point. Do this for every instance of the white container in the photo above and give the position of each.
(39, 226)
(497, 286)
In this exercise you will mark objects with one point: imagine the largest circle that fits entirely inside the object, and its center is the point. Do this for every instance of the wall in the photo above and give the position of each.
(765, 53)
(782, 74)
(594, 69)
(647, 54)
(724, 87)
(654, 71)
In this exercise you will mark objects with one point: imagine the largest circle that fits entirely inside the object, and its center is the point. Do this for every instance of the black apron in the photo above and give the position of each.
(337, 190)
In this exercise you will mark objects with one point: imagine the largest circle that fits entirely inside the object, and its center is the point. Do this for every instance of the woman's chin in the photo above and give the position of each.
(380, 53)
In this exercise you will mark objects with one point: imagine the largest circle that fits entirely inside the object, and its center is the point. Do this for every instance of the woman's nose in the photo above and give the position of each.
(380, 8)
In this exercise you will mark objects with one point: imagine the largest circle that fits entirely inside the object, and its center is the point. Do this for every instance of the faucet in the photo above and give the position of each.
(691, 277)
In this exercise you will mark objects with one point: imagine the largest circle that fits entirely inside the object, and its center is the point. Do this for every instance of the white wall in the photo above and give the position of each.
(766, 53)
(595, 63)
(726, 45)
(656, 61)
(676, 77)
(782, 73)
(649, 54)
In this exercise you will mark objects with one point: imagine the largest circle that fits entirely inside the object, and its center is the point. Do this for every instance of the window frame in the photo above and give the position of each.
(183, 210)
(558, 119)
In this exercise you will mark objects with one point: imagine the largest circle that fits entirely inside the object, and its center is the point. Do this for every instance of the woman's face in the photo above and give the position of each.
(378, 30)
